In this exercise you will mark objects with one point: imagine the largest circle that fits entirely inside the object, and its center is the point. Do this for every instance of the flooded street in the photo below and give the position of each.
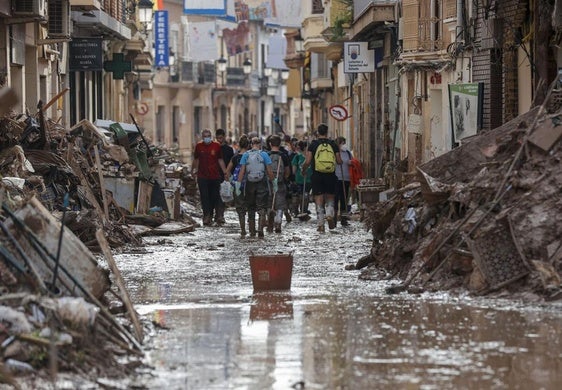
(331, 330)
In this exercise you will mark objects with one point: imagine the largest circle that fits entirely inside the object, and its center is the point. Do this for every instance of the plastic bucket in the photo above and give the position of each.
(271, 272)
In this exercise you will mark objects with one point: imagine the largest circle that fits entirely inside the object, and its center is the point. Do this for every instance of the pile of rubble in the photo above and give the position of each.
(485, 217)
(67, 197)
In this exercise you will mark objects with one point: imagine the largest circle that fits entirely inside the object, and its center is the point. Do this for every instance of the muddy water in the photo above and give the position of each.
(331, 330)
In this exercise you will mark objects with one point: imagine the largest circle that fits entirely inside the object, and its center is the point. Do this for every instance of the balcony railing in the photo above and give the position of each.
(428, 36)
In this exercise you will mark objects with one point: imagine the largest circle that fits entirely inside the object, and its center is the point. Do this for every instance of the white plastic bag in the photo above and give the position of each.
(226, 192)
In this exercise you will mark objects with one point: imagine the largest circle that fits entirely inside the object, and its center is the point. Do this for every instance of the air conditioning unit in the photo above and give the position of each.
(58, 19)
(29, 8)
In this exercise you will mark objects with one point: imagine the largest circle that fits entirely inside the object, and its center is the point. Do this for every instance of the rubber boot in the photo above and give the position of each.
(306, 203)
(242, 221)
(219, 214)
(277, 221)
(295, 204)
(330, 214)
(252, 226)
(320, 218)
(270, 221)
(261, 223)
(287, 215)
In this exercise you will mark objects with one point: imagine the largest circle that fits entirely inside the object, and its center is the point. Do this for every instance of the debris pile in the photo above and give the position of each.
(66, 194)
(486, 216)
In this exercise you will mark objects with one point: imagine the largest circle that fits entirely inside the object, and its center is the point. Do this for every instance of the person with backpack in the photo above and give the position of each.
(302, 182)
(355, 176)
(232, 174)
(209, 167)
(342, 188)
(256, 169)
(227, 153)
(281, 171)
(323, 155)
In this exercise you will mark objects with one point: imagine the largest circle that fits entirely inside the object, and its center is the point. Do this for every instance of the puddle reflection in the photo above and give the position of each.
(271, 305)
(331, 330)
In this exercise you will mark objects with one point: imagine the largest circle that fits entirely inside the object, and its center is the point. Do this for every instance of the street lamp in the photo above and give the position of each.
(247, 66)
(221, 64)
(145, 11)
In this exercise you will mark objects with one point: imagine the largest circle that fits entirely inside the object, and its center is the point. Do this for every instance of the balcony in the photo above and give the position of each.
(424, 36)
(369, 13)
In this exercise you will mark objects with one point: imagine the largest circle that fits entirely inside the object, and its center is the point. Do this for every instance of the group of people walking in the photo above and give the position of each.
(273, 179)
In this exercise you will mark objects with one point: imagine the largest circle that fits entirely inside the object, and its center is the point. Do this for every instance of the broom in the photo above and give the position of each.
(303, 216)
(272, 211)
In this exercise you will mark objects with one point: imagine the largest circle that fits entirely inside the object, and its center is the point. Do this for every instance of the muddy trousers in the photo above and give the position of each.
(209, 192)
(252, 224)
(262, 222)
(241, 210)
(256, 200)
(342, 196)
(274, 219)
(242, 222)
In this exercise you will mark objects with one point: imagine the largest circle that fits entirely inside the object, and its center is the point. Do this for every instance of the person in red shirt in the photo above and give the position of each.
(209, 167)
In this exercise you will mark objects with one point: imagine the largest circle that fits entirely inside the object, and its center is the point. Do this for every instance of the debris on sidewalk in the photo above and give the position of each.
(67, 197)
(488, 215)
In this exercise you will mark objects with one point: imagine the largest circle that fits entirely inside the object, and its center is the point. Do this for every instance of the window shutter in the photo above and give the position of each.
(411, 19)
(449, 9)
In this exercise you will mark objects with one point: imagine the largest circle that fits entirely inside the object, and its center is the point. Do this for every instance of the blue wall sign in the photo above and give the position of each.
(161, 40)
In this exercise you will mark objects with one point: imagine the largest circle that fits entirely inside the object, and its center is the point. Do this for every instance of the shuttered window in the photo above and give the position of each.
(449, 9)
(411, 19)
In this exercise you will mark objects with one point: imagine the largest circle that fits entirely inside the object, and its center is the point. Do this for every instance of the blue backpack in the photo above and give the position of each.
(236, 172)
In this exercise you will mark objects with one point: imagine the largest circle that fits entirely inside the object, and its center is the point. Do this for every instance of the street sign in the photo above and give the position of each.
(357, 57)
(338, 112)
(85, 54)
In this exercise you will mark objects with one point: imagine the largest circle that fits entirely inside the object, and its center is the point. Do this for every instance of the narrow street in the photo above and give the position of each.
(331, 330)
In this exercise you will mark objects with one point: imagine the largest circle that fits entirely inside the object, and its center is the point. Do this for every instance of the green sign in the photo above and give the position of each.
(118, 66)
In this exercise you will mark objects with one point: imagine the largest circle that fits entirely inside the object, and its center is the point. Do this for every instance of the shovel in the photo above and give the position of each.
(303, 216)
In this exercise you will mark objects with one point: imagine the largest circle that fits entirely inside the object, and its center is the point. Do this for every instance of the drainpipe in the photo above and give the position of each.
(460, 21)
(460, 29)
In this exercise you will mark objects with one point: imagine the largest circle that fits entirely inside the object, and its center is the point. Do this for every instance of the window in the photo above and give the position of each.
(319, 66)
(317, 7)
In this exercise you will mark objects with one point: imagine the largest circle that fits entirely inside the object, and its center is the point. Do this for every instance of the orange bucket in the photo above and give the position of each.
(271, 272)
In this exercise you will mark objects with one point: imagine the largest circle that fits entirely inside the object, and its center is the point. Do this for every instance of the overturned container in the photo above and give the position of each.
(271, 272)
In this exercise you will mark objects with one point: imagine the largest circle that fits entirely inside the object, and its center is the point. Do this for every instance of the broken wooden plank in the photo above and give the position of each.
(87, 190)
(54, 99)
(120, 284)
(102, 183)
(144, 197)
(74, 256)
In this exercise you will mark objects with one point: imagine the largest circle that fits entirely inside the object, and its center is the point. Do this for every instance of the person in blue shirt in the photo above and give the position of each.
(256, 169)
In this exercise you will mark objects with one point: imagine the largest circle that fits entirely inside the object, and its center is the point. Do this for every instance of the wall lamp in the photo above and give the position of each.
(221, 64)
(145, 11)
(247, 66)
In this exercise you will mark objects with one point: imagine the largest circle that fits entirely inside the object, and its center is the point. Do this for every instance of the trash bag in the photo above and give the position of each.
(227, 195)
